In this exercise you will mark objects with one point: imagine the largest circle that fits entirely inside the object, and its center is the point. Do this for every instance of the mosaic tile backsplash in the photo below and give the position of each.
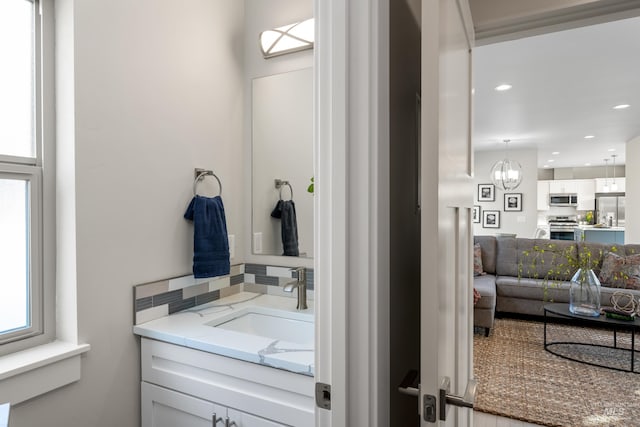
(158, 299)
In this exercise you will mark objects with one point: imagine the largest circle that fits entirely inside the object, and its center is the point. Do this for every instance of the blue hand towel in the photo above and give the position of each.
(210, 240)
(289, 228)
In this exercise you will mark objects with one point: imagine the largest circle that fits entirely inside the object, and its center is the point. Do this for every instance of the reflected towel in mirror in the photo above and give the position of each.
(285, 210)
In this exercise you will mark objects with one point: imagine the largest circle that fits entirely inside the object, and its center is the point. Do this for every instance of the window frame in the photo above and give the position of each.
(40, 176)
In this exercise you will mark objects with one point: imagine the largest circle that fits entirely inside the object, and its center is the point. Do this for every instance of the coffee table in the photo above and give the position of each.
(562, 310)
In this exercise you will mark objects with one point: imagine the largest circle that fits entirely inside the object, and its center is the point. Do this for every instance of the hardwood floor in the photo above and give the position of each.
(480, 419)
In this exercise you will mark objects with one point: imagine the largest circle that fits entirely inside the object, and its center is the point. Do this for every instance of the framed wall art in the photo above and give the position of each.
(476, 214)
(513, 202)
(486, 192)
(491, 219)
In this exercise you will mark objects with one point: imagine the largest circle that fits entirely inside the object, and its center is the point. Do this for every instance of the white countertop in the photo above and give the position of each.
(189, 328)
(593, 228)
(4, 415)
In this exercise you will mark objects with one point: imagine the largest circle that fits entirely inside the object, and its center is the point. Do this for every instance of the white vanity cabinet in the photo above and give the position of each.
(162, 407)
(186, 387)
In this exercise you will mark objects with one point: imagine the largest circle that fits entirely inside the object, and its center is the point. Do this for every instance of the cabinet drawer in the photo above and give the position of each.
(266, 392)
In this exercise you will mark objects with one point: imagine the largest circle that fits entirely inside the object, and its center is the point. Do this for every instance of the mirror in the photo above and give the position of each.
(282, 149)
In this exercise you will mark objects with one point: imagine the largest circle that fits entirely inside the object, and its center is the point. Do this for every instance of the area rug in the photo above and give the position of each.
(518, 379)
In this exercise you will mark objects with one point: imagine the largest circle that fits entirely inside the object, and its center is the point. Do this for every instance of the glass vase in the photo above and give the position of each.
(584, 293)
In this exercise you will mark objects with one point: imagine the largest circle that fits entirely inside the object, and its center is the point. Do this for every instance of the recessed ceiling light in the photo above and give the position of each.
(545, 166)
(555, 153)
(611, 149)
(503, 87)
(587, 164)
(550, 160)
(589, 136)
(621, 106)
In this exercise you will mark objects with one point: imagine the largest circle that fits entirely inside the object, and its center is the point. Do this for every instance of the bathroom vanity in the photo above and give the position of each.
(245, 361)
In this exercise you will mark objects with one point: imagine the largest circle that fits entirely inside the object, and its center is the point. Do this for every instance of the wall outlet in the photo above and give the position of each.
(232, 246)
(257, 243)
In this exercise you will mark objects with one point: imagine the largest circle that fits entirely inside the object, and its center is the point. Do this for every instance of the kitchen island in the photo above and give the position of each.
(594, 233)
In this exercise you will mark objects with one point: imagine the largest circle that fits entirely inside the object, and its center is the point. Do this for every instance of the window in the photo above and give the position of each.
(22, 309)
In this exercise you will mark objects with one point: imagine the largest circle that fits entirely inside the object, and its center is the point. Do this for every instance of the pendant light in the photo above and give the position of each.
(606, 176)
(614, 186)
(506, 174)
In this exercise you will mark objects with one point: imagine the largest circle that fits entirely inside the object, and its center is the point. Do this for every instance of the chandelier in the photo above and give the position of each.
(506, 174)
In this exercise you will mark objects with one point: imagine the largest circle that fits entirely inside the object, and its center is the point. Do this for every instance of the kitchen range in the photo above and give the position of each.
(561, 227)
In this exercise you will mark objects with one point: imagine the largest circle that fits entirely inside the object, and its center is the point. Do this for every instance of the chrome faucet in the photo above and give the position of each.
(301, 284)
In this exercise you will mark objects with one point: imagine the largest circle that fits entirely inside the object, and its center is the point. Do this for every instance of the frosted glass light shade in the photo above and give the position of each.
(506, 174)
(287, 39)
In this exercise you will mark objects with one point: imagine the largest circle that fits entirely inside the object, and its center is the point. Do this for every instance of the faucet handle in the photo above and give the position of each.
(301, 273)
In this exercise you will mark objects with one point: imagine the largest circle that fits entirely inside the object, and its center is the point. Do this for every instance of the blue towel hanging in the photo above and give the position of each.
(285, 210)
(210, 239)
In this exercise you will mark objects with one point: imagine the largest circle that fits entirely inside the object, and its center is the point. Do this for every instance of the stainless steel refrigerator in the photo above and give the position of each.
(610, 206)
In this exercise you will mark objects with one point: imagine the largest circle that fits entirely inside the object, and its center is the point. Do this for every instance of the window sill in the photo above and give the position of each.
(35, 371)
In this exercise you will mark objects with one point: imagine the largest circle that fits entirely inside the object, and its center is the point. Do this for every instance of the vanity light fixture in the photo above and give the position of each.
(605, 188)
(614, 186)
(287, 39)
(506, 174)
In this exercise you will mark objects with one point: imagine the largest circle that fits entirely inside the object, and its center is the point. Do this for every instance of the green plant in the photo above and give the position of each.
(555, 264)
(589, 217)
(310, 187)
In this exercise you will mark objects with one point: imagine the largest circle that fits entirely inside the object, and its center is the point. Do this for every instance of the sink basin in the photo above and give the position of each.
(276, 324)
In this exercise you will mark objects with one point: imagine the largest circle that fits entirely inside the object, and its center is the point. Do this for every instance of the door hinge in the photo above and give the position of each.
(323, 396)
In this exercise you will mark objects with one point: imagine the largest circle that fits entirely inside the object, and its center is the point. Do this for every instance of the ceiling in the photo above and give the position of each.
(564, 87)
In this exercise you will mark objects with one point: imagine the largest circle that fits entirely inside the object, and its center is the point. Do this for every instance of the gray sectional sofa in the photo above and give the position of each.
(503, 291)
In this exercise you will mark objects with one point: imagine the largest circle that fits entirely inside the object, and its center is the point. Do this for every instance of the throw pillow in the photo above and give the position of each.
(620, 272)
(477, 260)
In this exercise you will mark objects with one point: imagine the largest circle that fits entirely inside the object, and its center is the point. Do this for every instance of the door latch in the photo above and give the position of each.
(323, 396)
(429, 408)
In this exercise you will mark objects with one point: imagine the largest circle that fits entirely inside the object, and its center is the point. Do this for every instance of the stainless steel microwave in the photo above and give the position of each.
(563, 199)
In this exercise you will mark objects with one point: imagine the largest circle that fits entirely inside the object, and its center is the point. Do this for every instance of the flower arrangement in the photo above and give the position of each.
(555, 264)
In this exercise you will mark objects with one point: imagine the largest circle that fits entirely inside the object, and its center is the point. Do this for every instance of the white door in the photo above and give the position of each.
(447, 199)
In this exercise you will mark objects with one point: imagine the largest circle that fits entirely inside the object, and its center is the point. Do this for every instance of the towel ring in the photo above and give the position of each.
(281, 183)
(201, 174)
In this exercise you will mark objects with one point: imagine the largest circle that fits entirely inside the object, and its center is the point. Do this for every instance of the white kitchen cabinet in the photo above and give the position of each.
(162, 407)
(187, 386)
(543, 195)
(563, 186)
(620, 182)
(586, 194)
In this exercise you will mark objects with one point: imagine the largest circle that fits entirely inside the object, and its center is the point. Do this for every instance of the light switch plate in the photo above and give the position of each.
(257, 243)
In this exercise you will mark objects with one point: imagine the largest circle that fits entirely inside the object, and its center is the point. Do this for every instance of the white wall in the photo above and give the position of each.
(261, 15)
(521, 223)
(632, 190)
(158, 91)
